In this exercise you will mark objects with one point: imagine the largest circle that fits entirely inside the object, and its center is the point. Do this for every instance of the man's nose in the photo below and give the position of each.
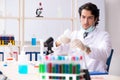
(86, 21)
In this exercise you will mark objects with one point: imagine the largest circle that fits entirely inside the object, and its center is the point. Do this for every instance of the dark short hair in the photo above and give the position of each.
(91, 7)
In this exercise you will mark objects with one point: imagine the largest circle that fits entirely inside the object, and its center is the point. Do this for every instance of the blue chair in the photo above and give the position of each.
(108, 66)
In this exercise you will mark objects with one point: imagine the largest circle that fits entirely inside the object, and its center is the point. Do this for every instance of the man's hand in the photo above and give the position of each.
(62, 40)
(76, 43)
(65, 38)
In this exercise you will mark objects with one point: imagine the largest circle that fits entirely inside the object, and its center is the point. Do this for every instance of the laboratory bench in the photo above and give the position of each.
(10, 69)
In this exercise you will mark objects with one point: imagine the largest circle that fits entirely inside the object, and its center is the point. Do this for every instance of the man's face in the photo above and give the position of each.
(87, 19)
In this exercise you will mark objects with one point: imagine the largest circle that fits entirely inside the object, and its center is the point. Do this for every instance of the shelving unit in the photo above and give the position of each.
(10, 17)
(46, 18)
(63, 19)
(7, 15)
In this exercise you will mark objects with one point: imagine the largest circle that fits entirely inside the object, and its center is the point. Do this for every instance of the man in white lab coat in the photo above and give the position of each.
(93, 42)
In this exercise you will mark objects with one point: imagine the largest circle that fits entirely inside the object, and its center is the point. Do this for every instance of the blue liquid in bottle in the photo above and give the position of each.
(33, 42)
(23, 69)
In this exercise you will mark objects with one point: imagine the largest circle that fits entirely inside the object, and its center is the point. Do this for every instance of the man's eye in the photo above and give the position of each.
(83, 17)
(90, 17)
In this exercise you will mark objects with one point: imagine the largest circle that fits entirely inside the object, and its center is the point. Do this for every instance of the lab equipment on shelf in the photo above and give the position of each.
(33, 40)
(2, 53)
(22, 63)
(49, 44)
(5, 39)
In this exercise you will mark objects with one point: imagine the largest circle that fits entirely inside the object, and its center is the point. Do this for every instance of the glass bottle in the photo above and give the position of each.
(22, 63)
(33, 40)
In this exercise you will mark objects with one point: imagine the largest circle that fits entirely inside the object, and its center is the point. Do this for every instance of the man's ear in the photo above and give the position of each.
(96, 19)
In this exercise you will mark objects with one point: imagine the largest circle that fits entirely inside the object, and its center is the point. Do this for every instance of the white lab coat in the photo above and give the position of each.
(100, 45)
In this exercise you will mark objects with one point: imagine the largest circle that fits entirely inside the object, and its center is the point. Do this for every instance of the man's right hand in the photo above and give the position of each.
(62, 40)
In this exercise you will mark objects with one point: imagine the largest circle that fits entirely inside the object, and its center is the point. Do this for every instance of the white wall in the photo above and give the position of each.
(2, 10)
(113, 27)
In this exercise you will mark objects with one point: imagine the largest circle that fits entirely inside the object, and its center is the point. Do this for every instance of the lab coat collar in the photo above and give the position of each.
(90, 34)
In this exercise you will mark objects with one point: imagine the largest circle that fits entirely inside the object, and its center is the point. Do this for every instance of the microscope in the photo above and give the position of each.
(49, 44)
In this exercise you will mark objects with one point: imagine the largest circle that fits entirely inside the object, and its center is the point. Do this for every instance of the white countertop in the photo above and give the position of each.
(11, 71)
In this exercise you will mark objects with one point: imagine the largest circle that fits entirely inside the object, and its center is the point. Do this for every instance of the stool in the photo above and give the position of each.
(2, 55)
(31, 53)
